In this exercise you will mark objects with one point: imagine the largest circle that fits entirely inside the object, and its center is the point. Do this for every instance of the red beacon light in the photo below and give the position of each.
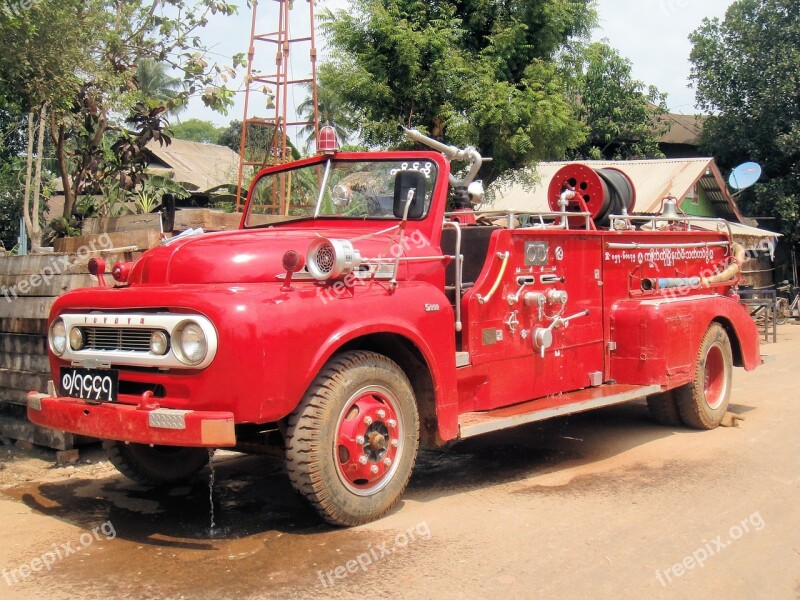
(326, 140)
(121, 271)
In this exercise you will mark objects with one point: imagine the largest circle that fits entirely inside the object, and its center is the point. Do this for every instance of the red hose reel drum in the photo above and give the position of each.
(605, 191)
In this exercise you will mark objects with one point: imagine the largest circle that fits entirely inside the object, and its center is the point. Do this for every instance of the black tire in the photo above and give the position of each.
(360, 407)
(156, 465)
(664, 409)
(703, 402)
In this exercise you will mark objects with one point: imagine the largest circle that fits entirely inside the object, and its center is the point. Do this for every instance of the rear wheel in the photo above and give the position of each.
(664, 409)
(352, 441)
(155, 465)
(703, 402)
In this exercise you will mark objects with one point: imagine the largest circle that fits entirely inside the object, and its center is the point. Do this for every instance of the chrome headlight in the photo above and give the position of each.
(58, 337)
(189, 343)
(159, 342)
(332, 258)
(76, 338)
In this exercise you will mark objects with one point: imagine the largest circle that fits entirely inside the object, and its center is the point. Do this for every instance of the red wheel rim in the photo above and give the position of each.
(369, 440)
(715, 381)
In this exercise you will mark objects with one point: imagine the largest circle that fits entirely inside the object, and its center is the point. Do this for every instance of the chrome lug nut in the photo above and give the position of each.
(360, 440)
(382, 414)
(367, 420)
(362, 459)
(392, 423)
(395, 443)
(387, 461)
(373, 469)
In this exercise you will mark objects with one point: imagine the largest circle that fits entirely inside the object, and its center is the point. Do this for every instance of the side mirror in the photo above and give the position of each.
(404, 182)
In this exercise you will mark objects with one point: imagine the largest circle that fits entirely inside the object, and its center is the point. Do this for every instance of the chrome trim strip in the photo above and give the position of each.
(466, 431)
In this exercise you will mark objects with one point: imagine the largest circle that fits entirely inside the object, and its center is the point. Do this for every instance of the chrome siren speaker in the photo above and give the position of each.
(332, 258)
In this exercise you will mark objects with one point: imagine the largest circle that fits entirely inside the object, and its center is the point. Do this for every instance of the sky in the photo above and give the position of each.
(652, 34)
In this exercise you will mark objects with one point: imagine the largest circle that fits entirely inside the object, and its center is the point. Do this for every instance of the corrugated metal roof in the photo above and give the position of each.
(739, 230)
(653, 179)
(685, 129)
(197, 166)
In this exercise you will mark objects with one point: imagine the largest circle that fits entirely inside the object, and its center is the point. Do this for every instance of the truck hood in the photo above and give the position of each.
(250, 256)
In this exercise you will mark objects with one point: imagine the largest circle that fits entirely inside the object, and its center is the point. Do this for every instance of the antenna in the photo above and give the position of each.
(744, 176)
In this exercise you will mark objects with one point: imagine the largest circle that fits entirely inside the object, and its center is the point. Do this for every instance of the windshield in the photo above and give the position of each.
(338, 189)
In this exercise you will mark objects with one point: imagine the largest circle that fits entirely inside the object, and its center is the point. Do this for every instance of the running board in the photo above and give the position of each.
(476, 423)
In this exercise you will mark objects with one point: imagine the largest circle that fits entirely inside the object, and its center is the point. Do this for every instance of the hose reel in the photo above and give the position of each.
(604, 191)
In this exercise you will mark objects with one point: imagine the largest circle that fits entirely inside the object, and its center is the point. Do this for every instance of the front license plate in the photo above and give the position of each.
(95, 385)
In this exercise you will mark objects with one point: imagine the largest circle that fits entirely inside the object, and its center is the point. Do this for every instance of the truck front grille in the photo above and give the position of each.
(118, 338)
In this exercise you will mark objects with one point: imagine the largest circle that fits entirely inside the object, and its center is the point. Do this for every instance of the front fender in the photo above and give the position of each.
(416, 311)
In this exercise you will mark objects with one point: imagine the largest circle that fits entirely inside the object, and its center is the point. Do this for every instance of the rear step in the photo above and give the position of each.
(476, 423)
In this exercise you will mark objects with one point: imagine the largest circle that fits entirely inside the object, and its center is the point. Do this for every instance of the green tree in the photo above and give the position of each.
(38, 76)
(468, 72)
(12, 131)
(624, 118)
(12, 185)
(746, 70)
(77, 60)
(155, 83)
(197, 130)
(332, 111)
(260, 138)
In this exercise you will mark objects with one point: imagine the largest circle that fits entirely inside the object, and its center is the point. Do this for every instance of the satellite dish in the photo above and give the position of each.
(745, 176)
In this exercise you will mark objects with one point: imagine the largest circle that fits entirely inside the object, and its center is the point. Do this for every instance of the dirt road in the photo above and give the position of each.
(605, 504)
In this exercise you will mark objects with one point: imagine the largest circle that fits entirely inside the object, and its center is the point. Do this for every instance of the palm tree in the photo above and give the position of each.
(156, 84)
(332, 111)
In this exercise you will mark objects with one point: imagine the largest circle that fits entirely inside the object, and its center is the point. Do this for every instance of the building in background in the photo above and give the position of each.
(683, 138)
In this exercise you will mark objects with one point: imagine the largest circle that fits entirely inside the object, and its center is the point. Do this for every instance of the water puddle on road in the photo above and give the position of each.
(240, 530)
(261, 533)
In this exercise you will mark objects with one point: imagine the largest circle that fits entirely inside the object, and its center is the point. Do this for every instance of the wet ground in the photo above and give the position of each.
(600, 504)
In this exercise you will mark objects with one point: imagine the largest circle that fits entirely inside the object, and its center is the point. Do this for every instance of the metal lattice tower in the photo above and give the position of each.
(265, 139)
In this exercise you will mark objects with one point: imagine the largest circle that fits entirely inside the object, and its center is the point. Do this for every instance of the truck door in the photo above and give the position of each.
(534, 316)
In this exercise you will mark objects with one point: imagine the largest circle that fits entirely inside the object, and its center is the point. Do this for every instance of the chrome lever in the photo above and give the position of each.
(543, 336)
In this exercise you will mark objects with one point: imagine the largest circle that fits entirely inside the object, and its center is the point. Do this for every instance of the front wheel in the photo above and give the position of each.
(703, 402)
(155, 465)
(352, 441)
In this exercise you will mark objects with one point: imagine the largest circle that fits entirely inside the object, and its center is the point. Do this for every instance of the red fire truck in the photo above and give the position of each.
(351, 318)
